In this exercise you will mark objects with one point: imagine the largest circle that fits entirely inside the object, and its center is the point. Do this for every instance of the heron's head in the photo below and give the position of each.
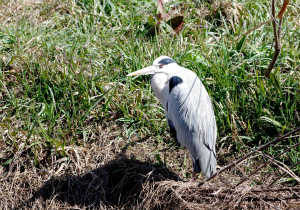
(160, 65)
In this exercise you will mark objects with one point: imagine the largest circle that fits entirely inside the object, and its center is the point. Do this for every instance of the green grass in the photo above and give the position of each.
(64, 69)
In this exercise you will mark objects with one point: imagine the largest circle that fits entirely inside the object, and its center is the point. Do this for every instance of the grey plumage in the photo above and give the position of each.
(194, 121)
(188, 109)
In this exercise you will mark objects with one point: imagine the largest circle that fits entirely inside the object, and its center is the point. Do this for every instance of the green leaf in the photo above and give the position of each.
(270, 120)
(157, 157)
(7, 162)
(240, 44)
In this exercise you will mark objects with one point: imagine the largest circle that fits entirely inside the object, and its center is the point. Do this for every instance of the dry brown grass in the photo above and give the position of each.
(230, 10)
(17, 9)
(111, 174)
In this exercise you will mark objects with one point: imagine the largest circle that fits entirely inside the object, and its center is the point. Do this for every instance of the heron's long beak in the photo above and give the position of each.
(147, 70)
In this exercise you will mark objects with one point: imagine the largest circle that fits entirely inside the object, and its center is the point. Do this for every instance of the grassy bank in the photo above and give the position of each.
(63, 67)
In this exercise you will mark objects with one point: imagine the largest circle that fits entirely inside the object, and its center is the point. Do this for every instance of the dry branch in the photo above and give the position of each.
(280, 14)
(263, 165)
(277, 190)
(263, 200)
(277, 36)
(283, 174)
(235, 163)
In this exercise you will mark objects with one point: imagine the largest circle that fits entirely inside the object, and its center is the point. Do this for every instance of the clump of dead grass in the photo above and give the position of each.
(219, 195)
(15, 10)
(98, 175)
(107, 174)
(230, 10)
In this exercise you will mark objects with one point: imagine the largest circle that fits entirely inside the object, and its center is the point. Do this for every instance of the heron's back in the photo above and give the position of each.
(191, 112)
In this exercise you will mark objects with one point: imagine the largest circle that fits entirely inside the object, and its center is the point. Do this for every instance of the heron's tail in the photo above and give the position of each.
(205, 164)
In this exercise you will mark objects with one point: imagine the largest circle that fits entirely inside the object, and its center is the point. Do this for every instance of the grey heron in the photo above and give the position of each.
(188, 110)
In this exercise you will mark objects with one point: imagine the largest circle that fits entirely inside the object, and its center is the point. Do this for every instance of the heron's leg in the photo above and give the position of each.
(194, 175)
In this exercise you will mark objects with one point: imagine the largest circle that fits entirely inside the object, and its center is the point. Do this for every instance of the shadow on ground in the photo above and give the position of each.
(116, 184)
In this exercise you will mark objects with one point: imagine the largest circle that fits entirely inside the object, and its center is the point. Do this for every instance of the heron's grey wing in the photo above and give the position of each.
(191, 112)
(173, 130)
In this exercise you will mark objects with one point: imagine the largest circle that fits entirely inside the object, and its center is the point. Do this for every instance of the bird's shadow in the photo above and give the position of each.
(117, 184)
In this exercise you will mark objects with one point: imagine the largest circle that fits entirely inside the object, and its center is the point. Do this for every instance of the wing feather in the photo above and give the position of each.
(191, 112)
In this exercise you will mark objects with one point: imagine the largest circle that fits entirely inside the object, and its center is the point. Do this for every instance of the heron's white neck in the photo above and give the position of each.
(160, 87)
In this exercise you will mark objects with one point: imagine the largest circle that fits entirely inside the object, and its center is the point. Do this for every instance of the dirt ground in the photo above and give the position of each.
(113, 173)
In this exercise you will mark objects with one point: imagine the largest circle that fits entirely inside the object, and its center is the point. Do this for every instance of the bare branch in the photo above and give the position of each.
(280, 14)
(263, 165)
(283, 174)
(248, 155)
(270, 205)
(277, 190)
(277, 36)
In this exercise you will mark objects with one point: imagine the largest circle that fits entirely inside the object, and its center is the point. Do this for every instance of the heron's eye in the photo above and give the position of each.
(160, 65)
